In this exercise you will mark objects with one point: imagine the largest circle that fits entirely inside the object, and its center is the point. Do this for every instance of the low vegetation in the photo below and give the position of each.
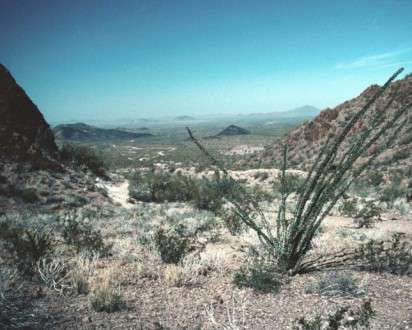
(327, 181)
(343, 318)
(83, 157)
(26, 241)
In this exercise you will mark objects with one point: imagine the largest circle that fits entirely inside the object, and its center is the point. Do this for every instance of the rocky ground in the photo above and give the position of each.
(199, 292)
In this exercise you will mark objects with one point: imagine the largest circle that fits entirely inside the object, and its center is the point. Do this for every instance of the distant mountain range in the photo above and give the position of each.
(305, 111)
(83, 132)
(184, 118)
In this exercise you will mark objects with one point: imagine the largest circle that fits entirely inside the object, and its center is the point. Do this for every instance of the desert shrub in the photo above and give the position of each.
(8, 278)
(334, 284)
(83, 157)
(147, 270)
(394, 256)
(160, 187)
(401, 154)
(105, 294)
(171, 245)
(262, 176)
(29, 195)
(80, 234)
(234, 317)
(53, 274)
(232, 221)
(26, 241)
(342, 318)
(75, 201)
(349, 207)
(292, 184)
(210, 194)
(368, 215)
(205, 194)
(393, 191)
(375, 178)
(260, 275)
(407, 139)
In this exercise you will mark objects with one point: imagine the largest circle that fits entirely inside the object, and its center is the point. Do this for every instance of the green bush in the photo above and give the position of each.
(368, 214)
(293, 184)
(232, 221)
(349, 207)
(160, 187)
(29, 195)
(81, 235)
(205, 194)
(260, 275)
(375, 178)
(83, 156)
(26, 242)
(393, 191)
(171, 245)
(401, 154)
(342, 318)
(394, 256)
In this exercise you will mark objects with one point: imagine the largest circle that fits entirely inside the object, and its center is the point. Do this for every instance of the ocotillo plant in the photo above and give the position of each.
(290, 239)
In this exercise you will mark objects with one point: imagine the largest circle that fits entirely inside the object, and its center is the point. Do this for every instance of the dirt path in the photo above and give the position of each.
(119, 193)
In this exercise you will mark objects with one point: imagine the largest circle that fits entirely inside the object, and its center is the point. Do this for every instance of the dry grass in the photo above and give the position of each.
(106, 295)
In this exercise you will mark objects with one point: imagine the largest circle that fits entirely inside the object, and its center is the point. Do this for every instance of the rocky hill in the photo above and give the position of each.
(232, 130)
(32, 173)
(83, 132)
(24, 134)
(306, 140)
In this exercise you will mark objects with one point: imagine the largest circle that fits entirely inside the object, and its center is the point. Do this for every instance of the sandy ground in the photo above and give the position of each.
(119, 193)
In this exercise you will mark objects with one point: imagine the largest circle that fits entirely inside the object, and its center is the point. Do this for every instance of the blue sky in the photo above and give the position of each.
(103, 60)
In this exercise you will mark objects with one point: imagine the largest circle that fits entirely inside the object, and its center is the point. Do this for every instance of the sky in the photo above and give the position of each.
(85, 60)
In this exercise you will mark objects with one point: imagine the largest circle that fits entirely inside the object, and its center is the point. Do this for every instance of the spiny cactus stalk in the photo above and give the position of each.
(290, 239)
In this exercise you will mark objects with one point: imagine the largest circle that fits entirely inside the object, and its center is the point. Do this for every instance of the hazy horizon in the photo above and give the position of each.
(107, 60)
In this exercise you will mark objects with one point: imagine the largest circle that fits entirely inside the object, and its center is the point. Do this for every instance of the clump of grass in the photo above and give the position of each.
(335, 284)
(105, 294)
(260, 275)
(175, 275)
(80, 274)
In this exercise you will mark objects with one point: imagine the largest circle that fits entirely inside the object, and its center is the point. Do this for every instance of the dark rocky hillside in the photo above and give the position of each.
(31, 171)
(306, 140)
(24, 134)
(83, 132)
